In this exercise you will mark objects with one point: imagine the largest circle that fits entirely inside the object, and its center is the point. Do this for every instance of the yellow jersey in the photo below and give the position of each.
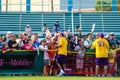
(112, 55)
(63, 48)
(101, 47)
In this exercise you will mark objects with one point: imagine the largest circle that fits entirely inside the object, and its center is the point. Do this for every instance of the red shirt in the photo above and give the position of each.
(3, 49)
(26, 45)
(51, 53)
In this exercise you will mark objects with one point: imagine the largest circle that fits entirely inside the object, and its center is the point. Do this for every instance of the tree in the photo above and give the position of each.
(103, 5)
(118, 5)
(98, 4)
(106, 5)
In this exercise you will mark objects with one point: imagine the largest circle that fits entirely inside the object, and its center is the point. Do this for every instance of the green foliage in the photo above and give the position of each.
(103, 5)
(118, 3)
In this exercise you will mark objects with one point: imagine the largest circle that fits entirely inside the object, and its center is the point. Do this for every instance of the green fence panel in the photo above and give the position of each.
(21, 62)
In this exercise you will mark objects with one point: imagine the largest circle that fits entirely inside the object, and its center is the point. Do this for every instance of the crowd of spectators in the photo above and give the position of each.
(76, 42)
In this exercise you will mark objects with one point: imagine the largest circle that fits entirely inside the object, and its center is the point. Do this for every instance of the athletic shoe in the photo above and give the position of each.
(61, 73)
(96, 75)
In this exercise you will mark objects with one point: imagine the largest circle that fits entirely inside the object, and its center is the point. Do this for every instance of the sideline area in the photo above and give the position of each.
(56, 78)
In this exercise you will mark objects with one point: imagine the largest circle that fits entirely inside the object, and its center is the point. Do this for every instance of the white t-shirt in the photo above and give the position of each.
(27, 29)
(80, 50)
(46, 56)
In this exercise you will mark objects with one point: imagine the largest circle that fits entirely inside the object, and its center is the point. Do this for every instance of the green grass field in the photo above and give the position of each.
(56, 78)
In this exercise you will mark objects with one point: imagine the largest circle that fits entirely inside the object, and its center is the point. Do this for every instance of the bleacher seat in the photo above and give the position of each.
(16, 22)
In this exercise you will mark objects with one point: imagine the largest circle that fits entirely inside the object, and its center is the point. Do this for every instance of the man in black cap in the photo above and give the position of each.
(113, 42)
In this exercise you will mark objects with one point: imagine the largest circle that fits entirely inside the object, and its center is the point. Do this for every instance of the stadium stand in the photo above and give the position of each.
(105, 22)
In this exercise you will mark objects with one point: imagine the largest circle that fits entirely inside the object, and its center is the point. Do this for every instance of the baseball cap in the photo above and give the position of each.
(62, 34)
(27, 25)
(97, 34)
(101, 35)
(9, 32)
(112, 34)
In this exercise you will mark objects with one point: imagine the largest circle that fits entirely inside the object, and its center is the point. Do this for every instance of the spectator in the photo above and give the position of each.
(1, 45)
(12, 43)
(28, 46)
(88, 42)
(96, 36)
(44, 47)
(56, 27)
(83, 38)
(78, 29)
(8, 35)
(112, 41)
(5, 48)
(88, 59)
(112, 69)
(48, 35)
(20, 41)
(73, 41)
(52, 55)
(28, 30)
(4, 39)
(80, 56)
(62, 53)
(25, 38)
(67, 33)
(44, 29)
(35, 41)
(55, 37)
(101, 47)
(107, 36)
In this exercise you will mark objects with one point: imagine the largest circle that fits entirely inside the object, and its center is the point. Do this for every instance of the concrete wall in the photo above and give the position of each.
(36, 5)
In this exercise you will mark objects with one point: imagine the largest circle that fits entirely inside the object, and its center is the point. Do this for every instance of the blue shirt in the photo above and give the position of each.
(1, 45)
(36, 44)
(57, 27)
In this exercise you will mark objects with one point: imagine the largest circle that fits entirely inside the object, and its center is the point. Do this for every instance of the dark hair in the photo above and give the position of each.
(25, 34)
(57, 22)
(35, 34)
(89, 34)
(79, 40)
(44, 24)
(78, 26)
(4, 38)
(28, 26)
(75, 35)
(112, 35)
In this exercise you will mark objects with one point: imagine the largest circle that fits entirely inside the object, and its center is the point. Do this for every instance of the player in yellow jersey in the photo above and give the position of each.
(101, 47)
(62, 53)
